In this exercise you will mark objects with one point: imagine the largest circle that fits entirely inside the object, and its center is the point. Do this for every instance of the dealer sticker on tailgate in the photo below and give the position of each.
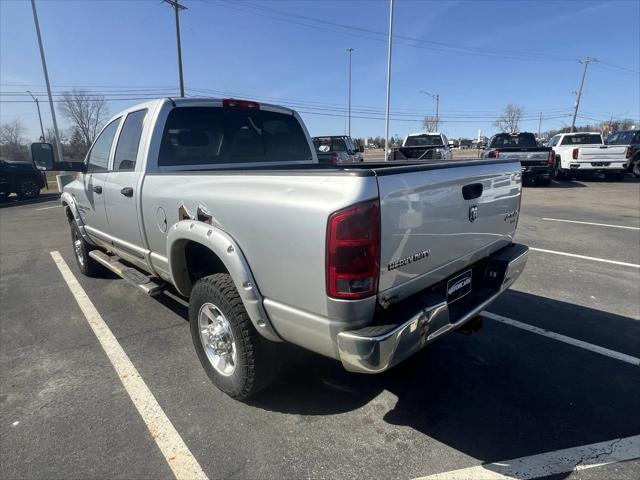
(459, 286)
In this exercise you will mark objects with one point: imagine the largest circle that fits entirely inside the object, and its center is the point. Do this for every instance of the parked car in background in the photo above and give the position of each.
(337, 149)
(586, 153)
(224, 201)
(537, 162)
(630, 139)
(422, 146)
(20, 178)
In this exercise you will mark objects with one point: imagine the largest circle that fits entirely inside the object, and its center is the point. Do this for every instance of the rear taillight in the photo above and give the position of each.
(552, 158)
(335, 158)
(495, 153)
(353, 251)
(575, 153)
(628, 152)
(235, 103)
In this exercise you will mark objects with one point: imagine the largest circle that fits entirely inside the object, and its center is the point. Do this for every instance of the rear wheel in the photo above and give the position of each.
(635, 168)
(559, 173)
(543, 181)
(28, 188)
(237, 359)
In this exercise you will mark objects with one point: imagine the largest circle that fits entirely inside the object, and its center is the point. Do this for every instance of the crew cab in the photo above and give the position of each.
(631, 140)
(20, 178)
(422, 146)
(537, 162)
(224, 202)
(336, 149)
(586, 153)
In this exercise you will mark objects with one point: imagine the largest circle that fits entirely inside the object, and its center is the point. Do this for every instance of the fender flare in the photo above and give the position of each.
(227, 250)
(67, 200)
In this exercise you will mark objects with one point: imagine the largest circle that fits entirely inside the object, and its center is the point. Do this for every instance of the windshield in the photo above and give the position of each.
(583, 139)
(622, 138)
(424, 140)
(522, 140)
(215, 136)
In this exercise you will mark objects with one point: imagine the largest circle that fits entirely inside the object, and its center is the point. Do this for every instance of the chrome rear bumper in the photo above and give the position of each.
(375, 349)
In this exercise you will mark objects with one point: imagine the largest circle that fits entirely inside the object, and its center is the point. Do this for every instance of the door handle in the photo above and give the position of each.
(471, 191)
(97, 189)
(127, 191)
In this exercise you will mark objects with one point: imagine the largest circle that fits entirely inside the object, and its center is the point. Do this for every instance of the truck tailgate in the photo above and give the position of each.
(601, 153)
(526, 157)
(429, 230)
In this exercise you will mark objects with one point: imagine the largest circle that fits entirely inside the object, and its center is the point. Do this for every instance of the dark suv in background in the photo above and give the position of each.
(631, 138)
(20, 178)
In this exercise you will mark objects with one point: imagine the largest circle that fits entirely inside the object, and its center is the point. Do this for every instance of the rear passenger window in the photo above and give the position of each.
(98, 159)
(217, 136)
(128, 142)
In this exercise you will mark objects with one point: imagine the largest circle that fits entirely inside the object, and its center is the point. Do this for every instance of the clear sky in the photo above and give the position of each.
(477, 55)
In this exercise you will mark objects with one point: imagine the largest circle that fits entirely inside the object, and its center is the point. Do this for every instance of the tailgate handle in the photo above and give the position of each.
(471, 191)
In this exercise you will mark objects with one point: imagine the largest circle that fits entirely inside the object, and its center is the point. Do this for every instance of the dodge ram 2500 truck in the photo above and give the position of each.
(224, 201)
(537, 162)
(585, 153)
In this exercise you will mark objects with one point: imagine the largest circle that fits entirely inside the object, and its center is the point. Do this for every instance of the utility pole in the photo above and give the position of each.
(539, 126)
(177, 7)
(46, 79)
(39, 116)
(436, 97)
(386, 130)
(349, 50)
(586, 63)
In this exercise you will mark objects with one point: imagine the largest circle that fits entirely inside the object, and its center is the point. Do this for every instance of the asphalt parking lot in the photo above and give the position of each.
(509, 391)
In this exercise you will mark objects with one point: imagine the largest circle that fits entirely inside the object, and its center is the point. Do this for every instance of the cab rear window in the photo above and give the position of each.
(586, 139)
(214, 136)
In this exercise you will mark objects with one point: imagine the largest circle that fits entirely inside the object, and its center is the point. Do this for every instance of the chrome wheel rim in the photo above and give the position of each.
(77, 246)
(217, 339)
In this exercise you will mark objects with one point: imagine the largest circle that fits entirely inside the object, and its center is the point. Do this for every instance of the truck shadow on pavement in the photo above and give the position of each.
(14, 201)
(498, 394)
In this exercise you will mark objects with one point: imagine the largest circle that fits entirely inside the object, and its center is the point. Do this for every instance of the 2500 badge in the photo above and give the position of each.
(407, 260)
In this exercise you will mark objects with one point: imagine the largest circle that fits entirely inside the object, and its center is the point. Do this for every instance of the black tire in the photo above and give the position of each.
(28, 188)
(87, 265)
(543, 181)
(614, 176)
(635, 167)
(559, 173)
(258, 360)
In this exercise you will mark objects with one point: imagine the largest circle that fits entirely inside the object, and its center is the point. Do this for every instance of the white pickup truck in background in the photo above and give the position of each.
(586, 152)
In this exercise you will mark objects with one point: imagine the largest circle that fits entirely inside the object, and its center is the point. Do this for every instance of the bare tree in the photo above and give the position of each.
(508, 121)
(430, 123)
(12, 141)
(87, 113)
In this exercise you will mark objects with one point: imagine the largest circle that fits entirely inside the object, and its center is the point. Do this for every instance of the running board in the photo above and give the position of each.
(149, 285)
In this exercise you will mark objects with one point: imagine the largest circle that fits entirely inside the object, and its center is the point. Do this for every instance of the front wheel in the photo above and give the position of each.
(28, 188)
(87, 265)
(236, 358)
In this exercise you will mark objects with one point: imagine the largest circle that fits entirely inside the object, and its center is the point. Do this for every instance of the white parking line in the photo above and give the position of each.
(623, 357)
(591, 223)
(584, 257)
(47, 208)
(550, 463)
(175, 451)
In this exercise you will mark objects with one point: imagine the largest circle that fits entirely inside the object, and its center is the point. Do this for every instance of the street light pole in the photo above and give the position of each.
(46, 79)
(386, 130)
(349, 129)
(436, 97)
(39, 116)
(586, 63)
(177, 7)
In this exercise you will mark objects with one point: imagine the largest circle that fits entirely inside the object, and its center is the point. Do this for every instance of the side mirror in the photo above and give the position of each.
(42, 156)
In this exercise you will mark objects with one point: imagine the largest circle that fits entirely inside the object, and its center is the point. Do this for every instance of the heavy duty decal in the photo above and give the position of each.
(407, 260)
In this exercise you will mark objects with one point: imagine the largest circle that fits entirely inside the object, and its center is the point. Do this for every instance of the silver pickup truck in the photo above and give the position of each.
(224, 202)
